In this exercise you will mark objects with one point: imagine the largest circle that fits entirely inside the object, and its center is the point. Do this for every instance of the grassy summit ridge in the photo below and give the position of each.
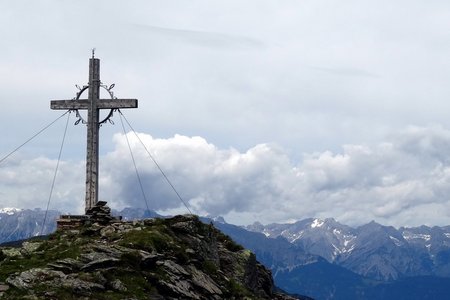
(175, 258)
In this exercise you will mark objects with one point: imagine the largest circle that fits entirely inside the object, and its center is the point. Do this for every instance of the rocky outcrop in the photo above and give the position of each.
(176, 258)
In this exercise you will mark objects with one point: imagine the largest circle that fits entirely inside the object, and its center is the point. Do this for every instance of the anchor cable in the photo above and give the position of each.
(156, 163)
(134, 163)
(56, 172)
(35, 135)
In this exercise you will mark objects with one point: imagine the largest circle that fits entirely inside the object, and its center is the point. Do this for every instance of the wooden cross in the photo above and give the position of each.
(93, 105)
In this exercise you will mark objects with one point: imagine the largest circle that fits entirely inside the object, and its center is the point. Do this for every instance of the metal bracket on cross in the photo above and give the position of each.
(82, 90)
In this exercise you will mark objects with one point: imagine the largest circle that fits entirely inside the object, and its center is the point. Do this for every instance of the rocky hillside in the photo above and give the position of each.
(175, 258)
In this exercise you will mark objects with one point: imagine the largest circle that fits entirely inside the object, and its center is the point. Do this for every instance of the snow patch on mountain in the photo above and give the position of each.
(396, 241)
(349, 243)
(296, 236)
(266, 233)
(317, 223)
(410, 236)
(9, 210)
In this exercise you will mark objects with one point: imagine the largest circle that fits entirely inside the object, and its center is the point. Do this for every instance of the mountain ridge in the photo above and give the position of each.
(372, 250)
(173, 258)
(298, 271)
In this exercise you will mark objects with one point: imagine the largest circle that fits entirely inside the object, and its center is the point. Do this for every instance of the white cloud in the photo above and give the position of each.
(403, 181)
(215, 181)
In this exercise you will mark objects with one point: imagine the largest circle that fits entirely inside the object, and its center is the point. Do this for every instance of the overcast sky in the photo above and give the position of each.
(257, 110)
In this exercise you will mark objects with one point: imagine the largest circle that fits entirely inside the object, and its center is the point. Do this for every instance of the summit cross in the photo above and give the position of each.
(93, 105)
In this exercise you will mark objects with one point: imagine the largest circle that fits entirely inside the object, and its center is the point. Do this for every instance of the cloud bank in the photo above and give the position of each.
(404, 181)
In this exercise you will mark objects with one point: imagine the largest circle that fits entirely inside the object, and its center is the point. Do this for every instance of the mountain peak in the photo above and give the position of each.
(217, 219)
(372, 225)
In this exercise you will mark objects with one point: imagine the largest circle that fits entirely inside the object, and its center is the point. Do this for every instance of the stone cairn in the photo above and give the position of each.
(100, 213)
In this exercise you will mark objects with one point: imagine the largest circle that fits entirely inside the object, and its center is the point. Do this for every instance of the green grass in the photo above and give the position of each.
(147, 240)
(210, 268)
(135, 282)
(131, 259)
(237, 290)
(49, 251)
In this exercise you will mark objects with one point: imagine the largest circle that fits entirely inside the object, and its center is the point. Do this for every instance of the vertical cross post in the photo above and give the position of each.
(93, 127)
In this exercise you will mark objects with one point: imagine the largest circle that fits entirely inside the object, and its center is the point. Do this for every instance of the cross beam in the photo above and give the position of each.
(93, 105)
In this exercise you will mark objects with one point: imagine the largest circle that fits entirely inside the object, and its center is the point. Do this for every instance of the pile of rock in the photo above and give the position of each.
(101, 213)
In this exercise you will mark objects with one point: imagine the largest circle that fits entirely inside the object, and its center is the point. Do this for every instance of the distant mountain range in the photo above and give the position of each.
(319, 258)
(18, 224)
(372, 250)
(328, 260)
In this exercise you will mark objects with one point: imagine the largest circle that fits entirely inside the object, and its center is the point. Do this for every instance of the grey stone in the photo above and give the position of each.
(29, 278)
(28, 247)
(205, 282)
(107, 231)
(190, 251)
(91, 256)
(81, 286)
(184, 226)
(103, 263)
(180, 287)
(173, 267)
(149, 259)
(118, 286)
(109, 250)
(4, 287)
